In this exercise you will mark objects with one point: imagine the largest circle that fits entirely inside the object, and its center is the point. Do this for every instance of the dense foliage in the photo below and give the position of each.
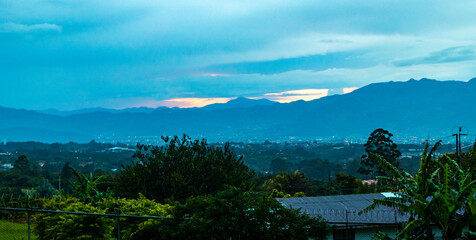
(70, 226)
(441, 193)
(237, 214)
(181, 169)
(381, 144)
(213, 195)
(291, 183)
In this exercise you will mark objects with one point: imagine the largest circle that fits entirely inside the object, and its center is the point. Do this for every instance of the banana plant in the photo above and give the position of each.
(471, 233)
(86, 187)
(439, 194)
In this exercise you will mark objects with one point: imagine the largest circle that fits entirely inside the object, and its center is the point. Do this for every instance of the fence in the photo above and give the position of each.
(18, 214)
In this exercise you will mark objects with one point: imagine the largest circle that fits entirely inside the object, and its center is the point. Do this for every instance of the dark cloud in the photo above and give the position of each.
(313, 62)
(72, 54)
(453, 54)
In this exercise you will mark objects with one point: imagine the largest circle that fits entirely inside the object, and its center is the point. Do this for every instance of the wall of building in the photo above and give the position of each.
(368, 232)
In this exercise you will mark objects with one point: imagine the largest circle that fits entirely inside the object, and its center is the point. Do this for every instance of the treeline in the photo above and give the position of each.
(208, 191)
(50, 162)
(52, 157)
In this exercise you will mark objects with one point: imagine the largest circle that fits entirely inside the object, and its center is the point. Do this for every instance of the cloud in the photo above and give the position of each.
(312, 62)
(314, 43)
(24, 28)
(295, 95)
(453, 54)
(128, 53)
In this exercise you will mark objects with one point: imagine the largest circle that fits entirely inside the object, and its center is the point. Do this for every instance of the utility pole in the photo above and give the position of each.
(457, 147)
(458, 144)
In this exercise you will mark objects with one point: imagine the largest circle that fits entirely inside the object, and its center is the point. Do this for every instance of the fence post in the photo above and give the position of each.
(29, 224)
(118, 228)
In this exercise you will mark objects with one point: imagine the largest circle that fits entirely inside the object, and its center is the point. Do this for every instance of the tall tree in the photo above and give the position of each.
(66, 172)
(380, 144)
(180, 169)
(21, 164)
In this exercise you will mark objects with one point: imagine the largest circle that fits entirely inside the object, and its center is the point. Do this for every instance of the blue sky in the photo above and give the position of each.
(116, 54)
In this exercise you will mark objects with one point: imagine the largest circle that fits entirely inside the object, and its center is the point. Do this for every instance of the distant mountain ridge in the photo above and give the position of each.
(92, 110)
(411, 108)
(240, 102)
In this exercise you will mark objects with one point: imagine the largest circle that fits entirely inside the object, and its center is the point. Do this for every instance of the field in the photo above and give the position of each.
(13, 231)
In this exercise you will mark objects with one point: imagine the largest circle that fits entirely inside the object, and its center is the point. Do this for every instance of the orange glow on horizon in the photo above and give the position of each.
(215, 74)
(349, 90)
(296, 95)
(193, 102)
(281, 97)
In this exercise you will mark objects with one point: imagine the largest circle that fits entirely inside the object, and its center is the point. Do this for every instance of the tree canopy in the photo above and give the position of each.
(180, 169)
(21, 164)
(381, 144)
(441, 193)
(237, 214)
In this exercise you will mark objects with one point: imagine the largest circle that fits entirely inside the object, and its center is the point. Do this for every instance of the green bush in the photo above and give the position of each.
(236, 214)
(70, 226)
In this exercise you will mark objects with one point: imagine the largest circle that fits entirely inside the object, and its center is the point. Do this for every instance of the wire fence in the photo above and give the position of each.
(24, 216)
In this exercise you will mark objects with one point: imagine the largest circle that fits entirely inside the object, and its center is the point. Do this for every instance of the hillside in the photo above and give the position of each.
(411, 108)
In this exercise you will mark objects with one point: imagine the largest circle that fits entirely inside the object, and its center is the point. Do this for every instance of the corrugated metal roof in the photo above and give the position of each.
(345, 209)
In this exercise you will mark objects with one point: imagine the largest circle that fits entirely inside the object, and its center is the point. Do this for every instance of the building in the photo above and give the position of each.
(119, 149)
(343, 212)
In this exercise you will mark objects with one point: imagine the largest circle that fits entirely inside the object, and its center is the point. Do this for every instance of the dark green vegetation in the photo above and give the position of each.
(207, 192)
(442, 193)
(379, 143)
(320, 162)
(181, 169)
(210, 193)
(236, 214)
(38, 164)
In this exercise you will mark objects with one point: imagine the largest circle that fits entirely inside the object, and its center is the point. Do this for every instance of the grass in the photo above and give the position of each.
(14, 231)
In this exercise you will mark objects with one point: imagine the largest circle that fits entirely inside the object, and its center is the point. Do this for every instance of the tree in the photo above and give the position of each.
(318, 168)
(379, 143)
(66, 172)
(21, 164)
(440, 193)
(45, 189)
(278, 165)
(237, 214)
(180, 169)
(347, 184)
(292, 182)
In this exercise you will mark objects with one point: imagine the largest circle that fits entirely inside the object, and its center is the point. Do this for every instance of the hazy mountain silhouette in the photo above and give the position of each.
(91, 110)
(411, 108)
(239, 102)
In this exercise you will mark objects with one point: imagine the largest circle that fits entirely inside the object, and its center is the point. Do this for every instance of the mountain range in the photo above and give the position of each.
(414, 108)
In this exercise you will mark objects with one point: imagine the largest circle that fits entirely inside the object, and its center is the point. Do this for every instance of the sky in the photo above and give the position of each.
(69, 55)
